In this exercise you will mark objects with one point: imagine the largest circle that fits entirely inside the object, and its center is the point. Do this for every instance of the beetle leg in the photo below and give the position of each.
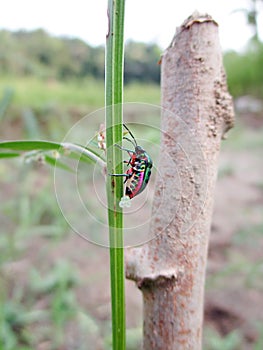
(128, 162)
(126, 175)
(118, 175)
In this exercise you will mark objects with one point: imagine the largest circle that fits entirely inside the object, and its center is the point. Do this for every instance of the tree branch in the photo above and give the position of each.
(197, 112)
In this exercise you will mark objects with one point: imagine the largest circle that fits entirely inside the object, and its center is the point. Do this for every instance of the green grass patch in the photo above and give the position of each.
(144, 93)
(36, 93)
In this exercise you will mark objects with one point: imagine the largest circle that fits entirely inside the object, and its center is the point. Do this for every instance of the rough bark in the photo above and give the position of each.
(197, 112)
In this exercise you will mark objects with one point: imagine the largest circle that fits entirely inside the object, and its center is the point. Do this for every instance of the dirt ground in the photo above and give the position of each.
(234, 296)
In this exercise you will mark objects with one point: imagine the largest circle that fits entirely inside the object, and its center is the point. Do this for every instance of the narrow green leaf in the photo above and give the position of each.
(57, 163)
(81, 157)
(85, 154)
(94, 152)
(9, 154)
(31, 124)
(91, 149)
(6, 100)
(83, 151)
(30, 145)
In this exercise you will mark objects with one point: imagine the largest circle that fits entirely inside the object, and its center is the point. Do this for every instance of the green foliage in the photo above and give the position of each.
(9, 154)
(213, 341)
(49, 152)
(24, 323)
(36, 53)
(29, 145)
(53, 97)
(141, 62)
(244, 71)
(14, 322)
(61, 277)
(5, 101)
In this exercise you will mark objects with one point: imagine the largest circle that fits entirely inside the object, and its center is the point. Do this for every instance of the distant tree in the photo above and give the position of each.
(40, 54)
(141, 62)
(251, 14)
(94, 63)
(244, 71)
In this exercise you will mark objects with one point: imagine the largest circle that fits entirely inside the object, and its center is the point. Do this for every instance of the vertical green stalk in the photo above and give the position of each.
(114, 110)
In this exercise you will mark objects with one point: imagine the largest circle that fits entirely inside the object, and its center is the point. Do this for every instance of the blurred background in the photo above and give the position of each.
(54, 285)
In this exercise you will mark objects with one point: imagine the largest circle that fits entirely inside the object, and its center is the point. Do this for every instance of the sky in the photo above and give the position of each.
(145, 20)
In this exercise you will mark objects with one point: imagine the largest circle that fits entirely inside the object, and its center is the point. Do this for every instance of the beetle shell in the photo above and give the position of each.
(139, 173)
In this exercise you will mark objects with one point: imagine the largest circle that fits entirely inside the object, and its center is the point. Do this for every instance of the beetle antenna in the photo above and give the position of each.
(126, 127)
(126, 138)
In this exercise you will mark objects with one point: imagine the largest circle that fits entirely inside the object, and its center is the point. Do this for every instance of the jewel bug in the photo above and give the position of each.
(139, 171)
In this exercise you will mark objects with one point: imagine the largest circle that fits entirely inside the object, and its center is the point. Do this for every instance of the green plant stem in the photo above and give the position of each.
(114, 121)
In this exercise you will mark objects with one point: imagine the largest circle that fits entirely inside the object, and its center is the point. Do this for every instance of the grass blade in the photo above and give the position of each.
(29, 145)
(57, 163)
(9, 154)
(67, 149)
